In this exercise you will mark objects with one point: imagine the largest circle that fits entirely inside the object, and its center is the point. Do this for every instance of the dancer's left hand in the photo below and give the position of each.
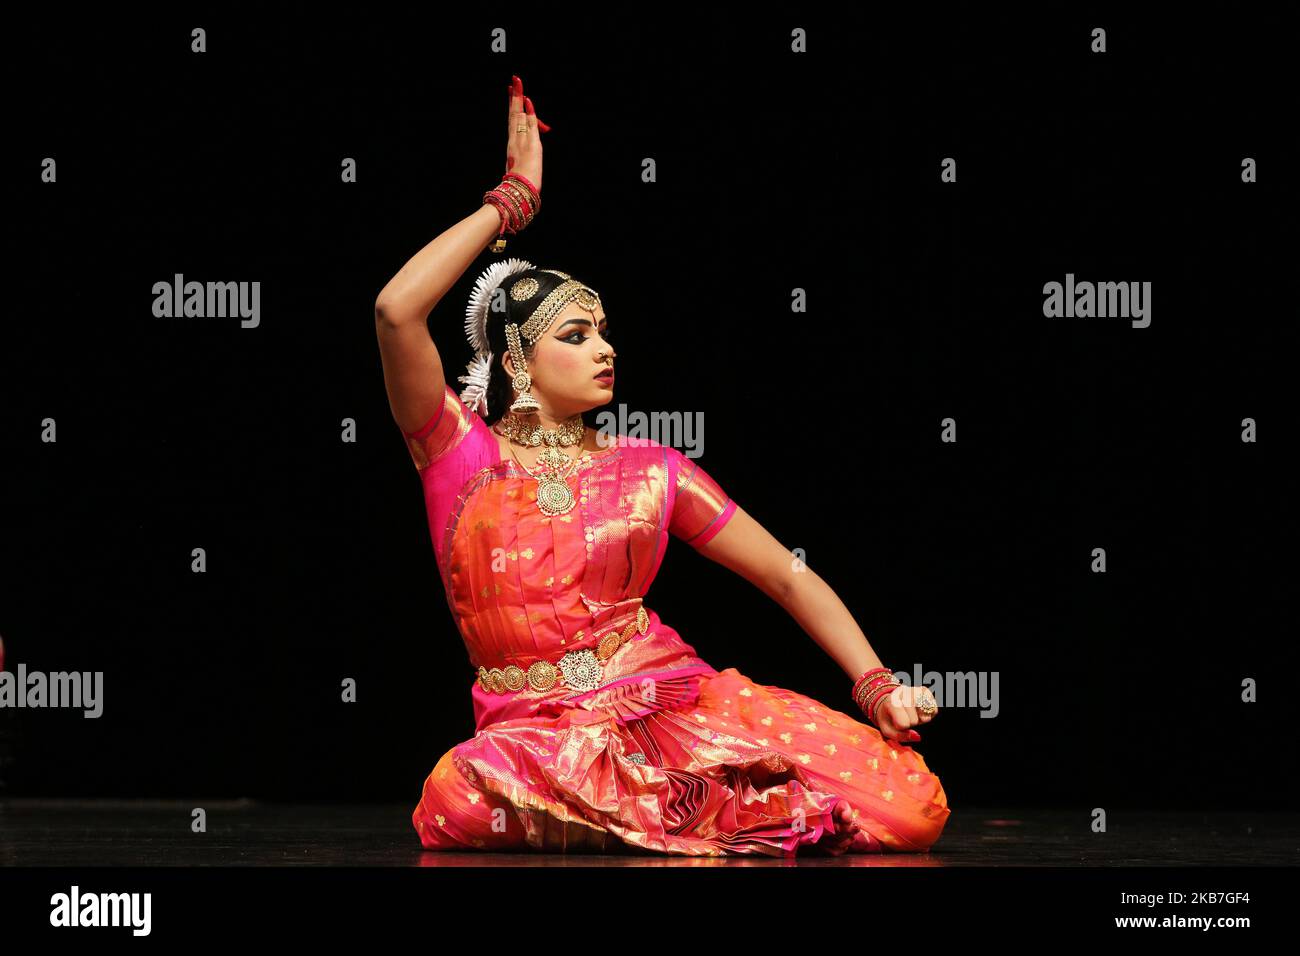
(898, 714)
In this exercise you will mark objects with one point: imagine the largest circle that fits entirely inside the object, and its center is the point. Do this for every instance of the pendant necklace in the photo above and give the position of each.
(554, 496)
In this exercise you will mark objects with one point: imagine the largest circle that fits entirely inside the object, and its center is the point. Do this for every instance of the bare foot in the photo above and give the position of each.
(843, 813)
(849, 835)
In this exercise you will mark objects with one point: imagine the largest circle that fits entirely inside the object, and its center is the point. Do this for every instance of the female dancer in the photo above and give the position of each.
(598, 728)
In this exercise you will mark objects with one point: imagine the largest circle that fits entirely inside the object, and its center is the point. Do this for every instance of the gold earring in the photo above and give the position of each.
(525, 404)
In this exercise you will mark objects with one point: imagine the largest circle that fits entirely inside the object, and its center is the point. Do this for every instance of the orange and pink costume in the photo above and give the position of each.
(598, 728)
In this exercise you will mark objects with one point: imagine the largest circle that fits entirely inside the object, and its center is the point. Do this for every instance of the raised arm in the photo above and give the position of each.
(413, 372)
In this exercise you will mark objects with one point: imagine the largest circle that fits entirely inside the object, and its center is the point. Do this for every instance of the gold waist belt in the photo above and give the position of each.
(581, 670)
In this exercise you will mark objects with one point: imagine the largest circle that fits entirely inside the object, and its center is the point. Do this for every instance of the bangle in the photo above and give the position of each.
(517, 201)
(868, 676)
(875, 706)
(872, 700)
(869, 680)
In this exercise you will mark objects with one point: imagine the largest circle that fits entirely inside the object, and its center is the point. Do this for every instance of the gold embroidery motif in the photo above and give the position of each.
(810, 727)
(746, 692)
(442, 821)
(830, 749)
(786, 737)
(527, 553)
(887, 794)
(845, 775)
(805, 758)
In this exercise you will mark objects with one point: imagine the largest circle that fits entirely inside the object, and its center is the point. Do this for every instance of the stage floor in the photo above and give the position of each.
(35, 832)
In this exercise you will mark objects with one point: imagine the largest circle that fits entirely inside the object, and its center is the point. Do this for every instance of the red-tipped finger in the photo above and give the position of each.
(528, 105)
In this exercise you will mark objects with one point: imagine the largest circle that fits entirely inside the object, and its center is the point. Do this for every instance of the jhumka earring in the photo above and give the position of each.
(525, 402)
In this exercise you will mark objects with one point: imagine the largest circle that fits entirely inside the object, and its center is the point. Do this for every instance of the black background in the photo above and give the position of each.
(775, 171)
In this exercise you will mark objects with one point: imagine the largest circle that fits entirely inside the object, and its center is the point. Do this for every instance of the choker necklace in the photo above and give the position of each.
(532, 434)
(554, 497)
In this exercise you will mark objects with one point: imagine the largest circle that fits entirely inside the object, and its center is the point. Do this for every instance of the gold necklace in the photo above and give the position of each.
(532, 434)
(554, 496)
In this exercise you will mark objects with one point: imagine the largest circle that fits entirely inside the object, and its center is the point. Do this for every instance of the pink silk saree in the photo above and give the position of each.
(668, 755)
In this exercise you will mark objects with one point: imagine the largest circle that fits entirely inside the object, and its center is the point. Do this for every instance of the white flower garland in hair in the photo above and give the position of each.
(474, 394)
(476, 313)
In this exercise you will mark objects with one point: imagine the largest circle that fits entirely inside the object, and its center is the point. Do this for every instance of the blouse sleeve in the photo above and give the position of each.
(700, 508)
(442, 433)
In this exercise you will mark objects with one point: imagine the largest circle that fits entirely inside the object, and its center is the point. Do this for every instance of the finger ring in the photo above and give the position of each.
(522, 129)
(925, 702)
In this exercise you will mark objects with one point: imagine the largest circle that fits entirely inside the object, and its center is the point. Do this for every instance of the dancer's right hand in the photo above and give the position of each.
(524, 149)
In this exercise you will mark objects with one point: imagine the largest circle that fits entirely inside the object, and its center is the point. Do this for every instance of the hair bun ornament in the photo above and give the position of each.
(479, 374)
(479, 369)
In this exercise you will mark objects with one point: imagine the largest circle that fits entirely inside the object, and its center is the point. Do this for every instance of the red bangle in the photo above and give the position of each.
(531, 188)
(872, 702)
(871, 677)
(517, 201)
(875, 707)
(868, 674)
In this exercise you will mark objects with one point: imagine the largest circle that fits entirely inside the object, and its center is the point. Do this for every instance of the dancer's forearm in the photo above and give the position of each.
(820, 612)
(749, 549)
(418, 286)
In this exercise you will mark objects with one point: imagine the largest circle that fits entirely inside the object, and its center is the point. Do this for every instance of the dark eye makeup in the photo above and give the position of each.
(581, 336)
